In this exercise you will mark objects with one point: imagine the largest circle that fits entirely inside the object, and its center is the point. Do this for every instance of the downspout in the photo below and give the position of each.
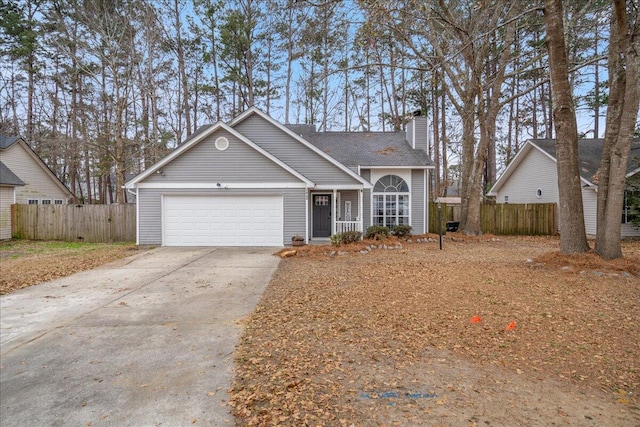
(361, 211)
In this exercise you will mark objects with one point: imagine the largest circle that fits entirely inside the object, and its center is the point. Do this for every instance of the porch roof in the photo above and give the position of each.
(365, 148)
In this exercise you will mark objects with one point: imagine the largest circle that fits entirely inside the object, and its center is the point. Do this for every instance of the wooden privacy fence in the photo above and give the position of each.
(517, 219)
(73, 223)
(447, 215)
(524, 219)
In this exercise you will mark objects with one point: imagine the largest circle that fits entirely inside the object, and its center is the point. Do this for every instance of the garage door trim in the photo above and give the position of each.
(247, 219)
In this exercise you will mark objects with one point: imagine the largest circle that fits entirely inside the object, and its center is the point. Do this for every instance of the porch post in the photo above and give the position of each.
(360, 211)
(306, 216)
(333, 211)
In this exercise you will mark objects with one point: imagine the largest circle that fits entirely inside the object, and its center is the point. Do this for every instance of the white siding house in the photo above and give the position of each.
(41, 186)
(532, 177)
(8, 184)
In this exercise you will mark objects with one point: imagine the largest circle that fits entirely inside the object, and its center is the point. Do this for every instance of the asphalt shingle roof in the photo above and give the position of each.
(365, 148)
(590, 154)
(7, 177)
(7, 141)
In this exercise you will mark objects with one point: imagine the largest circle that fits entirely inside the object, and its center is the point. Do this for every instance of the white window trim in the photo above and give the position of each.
(408, 194)
(221, 185)
(222, 143)
(626, 208)
(58, 202)
(35, 201)
(376, 174)
(46, 201)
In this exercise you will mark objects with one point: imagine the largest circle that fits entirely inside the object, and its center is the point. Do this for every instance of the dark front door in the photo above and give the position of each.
(321, 215)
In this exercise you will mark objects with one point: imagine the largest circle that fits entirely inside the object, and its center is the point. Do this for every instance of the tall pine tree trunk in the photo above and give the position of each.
(622, 113)
(573, 238)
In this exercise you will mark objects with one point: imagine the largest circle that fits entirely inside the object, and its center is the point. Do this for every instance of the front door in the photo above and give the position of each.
(321, 215)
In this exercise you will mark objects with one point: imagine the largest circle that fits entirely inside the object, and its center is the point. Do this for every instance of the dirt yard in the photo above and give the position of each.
(26, 262)
(489, 331)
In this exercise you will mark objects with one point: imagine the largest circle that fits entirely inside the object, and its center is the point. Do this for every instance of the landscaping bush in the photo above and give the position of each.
(377, 232)
(346, 237)
(401, 230)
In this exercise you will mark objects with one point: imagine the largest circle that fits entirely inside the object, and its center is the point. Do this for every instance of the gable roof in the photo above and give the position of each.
(7, 177)
(8, 141)
(200, 134)
(368, 148)
(589, 156)
(254, 110)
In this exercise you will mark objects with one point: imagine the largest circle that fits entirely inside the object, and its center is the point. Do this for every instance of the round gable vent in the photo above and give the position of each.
(222, 143)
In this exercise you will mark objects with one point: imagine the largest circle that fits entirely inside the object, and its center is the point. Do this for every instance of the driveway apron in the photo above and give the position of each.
(146, 341)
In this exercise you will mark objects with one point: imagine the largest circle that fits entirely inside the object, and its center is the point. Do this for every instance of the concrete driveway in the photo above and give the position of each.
(145, 341)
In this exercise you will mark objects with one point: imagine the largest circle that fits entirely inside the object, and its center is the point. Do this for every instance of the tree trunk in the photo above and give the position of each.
(436, 134)
(184, 82)
(622, 113)
(573, 238)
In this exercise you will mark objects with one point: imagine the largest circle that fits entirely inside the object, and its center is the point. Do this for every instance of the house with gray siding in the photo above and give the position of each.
(257, 182)
(532, 177)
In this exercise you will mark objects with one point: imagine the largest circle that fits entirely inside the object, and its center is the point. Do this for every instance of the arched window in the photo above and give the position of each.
(390, 201)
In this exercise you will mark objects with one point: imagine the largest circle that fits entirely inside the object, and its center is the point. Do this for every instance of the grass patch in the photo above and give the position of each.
(29, 262)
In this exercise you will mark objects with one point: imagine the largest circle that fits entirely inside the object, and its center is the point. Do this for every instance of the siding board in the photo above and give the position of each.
(366, 200)
(417, 201)
(38, 183)
(6, 199)
(301, 158)
(205, 163)
(536, 171)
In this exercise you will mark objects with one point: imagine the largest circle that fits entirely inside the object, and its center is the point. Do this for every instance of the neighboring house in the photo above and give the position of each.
(257, 182)
(8, 183)
(532, 177)
(41, 186)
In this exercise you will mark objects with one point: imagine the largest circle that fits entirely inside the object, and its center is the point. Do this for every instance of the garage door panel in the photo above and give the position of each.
(222, 221)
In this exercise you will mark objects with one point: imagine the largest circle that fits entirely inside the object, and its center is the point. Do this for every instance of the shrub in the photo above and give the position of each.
(351, 236)
(401, 230)
(345, 238)
(377, 232)
(336, 239)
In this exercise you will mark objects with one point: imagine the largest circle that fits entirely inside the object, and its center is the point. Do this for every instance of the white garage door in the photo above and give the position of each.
(222, 221)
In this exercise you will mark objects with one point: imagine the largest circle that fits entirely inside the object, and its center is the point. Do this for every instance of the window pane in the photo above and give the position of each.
(390, 208)
(403, 202)
(378, 205)
(391, 184)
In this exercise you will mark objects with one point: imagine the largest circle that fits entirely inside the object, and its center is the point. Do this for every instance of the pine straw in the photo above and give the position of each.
(330, 328)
